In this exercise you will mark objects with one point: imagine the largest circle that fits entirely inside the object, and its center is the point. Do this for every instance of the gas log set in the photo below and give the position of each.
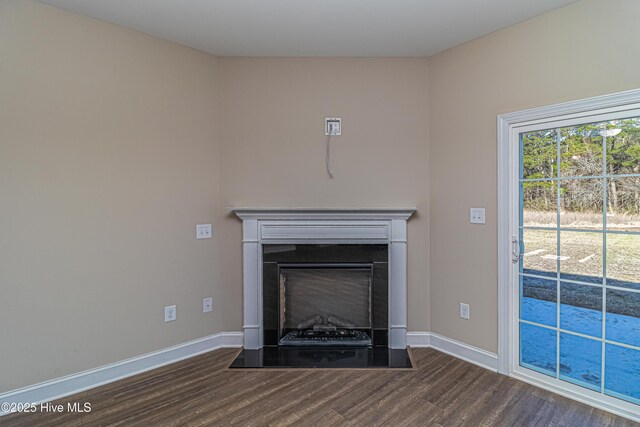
(334, 331)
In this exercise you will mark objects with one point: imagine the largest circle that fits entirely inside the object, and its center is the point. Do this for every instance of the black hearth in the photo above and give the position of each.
(323, 358)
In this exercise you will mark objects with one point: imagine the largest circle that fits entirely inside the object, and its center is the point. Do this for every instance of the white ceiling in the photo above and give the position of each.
(314, 27)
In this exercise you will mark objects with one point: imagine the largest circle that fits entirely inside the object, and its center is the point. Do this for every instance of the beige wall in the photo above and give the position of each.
(586, 49)
(108, 159)
(113, 145)
(113, 149)
(273, 146)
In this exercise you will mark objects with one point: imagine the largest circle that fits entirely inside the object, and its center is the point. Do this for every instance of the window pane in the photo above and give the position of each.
(581, 150)
(623, 146)
(623, 204)
(539, 152)
(539, 257)
(622, 370)
(581, 256)
(539, 301)
(581, 361)
(623, 260)
(539, 204)
(581, 203)
(581, 309)
(623, 317)
(538, 348)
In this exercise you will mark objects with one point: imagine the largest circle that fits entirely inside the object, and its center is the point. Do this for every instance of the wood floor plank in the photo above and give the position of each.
(202, 391)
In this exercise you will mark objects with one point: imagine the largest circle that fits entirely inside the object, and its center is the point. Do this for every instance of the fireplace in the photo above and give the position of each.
(324, 277)
(325, 305)
(325, 295)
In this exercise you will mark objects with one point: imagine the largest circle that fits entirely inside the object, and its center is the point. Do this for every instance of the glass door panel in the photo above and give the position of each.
(579, 269)
(581, 309)
(581, 202)
(540, 252)
(581, 360)
(538, 301)
(581, 256)
(538, 348)
(623, 260)
(622, 368)
(623, 317)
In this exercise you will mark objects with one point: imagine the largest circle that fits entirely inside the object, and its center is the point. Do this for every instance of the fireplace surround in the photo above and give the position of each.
(264, 229)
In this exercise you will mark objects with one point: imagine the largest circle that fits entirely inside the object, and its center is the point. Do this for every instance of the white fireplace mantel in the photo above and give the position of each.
(323, 226)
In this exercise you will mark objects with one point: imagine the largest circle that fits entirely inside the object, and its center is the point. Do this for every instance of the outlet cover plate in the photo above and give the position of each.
(476, 215)
(170, 313)
(207, 305)
(464, 311)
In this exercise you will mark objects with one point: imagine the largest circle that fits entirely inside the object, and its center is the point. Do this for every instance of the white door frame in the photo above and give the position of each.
(509, 127)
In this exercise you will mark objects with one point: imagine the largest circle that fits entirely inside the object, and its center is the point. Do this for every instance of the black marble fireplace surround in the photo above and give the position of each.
(350, 281)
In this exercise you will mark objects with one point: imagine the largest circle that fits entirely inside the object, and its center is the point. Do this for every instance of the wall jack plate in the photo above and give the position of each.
(333, 126)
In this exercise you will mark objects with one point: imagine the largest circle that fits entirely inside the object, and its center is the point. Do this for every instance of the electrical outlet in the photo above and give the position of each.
(464, 311)
(170, 313)
(476, 215)
(207, 305)
(333, 126)
(203, 231)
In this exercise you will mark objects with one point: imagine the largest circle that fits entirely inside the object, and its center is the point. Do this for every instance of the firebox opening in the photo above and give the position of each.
(325, 305)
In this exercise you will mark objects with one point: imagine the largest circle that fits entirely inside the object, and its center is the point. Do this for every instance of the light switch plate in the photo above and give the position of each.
(203, 231)
(476, 215)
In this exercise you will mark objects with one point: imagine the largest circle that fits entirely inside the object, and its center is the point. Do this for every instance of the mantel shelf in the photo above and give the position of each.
(323, 213)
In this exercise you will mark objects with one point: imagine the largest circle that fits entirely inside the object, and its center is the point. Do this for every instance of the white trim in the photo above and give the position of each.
(419, 339)
(504, 305)
(81, 381)
(615, 101)
(460, 350)
(466, 352)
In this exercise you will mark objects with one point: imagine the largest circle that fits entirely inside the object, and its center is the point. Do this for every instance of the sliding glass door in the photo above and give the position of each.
(578, 253)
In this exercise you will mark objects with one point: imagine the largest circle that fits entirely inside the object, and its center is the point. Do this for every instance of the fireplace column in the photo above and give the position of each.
(252, 284)
(398, 284)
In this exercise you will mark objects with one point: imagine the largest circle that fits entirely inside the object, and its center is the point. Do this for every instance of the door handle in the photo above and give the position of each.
(516, 255)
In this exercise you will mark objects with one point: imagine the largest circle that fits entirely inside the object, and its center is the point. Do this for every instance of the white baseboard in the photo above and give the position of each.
(419, 339)
(75, 383)
(458, 349)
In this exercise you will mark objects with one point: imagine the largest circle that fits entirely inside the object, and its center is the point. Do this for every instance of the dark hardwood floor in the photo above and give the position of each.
(442, 391)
